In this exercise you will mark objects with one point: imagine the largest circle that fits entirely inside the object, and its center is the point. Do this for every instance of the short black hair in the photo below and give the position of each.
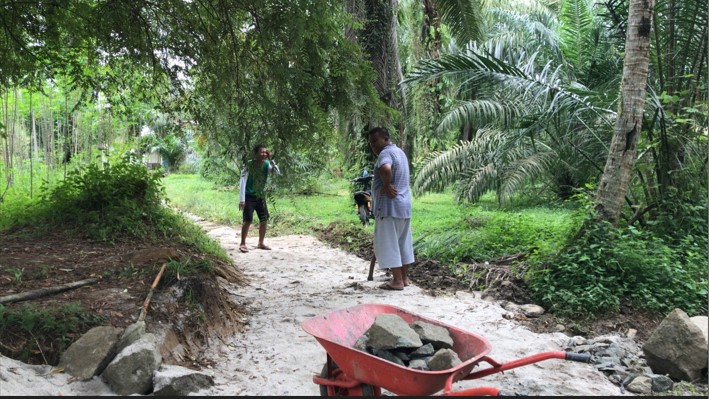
(258, 147)
(382, 131)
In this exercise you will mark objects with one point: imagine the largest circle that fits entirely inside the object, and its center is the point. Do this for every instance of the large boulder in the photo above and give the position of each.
(91, 353)
(677, 348)
(131, 372)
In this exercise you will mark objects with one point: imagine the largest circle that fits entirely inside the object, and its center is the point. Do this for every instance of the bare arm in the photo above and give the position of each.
(386, 175)
(242, 187)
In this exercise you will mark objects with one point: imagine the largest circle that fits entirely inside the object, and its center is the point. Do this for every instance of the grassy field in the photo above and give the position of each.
(442, 229)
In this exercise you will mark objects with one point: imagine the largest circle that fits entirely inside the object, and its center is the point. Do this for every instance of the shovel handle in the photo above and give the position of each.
(370, 276)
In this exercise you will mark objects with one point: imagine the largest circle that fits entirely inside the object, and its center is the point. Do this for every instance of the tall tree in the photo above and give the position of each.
(614, 182)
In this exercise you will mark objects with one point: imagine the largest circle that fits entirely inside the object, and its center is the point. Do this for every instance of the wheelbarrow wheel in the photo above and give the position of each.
(334, 374)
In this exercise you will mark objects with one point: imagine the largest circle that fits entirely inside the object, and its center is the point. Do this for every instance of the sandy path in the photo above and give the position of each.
(303, 277)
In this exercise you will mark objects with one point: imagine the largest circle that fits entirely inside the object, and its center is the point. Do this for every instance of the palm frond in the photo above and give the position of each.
(440, 168)
(464, 17)
(475, 70)
(521, 171)
(480, 113)
(476, 182)
(530, 27)
(576, 21)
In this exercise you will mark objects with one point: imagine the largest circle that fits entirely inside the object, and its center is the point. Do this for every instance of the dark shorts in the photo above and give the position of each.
(253, 203)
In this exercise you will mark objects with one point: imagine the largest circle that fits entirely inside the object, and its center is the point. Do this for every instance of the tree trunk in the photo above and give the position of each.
(33, 145)
(621, 157)
(379, 41)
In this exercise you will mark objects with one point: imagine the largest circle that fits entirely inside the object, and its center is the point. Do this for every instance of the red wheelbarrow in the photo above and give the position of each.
(352, 372)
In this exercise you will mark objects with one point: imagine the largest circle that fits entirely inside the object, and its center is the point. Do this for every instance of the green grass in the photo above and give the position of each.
(584, 278)
(442, 229)
(290, 213)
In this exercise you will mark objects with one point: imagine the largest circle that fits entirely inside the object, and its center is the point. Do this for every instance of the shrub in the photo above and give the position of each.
(605, 266)
(107, 201)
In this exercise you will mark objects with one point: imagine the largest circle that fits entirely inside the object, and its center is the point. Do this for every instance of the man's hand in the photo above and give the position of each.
(241, 206)
(389, 190)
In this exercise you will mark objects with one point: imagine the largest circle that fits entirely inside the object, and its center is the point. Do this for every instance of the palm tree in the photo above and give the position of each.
(531, 120)
(539, 123)
(621, 158)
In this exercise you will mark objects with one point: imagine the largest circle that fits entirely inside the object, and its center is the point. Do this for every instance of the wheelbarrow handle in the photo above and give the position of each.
(578, 357)
(500, 367)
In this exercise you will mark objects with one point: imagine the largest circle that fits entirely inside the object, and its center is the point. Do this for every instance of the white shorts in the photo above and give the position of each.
(393, 245)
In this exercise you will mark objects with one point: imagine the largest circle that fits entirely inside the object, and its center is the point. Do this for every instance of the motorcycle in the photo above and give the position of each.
(363, 197)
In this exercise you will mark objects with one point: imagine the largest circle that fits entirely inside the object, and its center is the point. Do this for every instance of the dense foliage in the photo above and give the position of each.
(513, 98)
(605, 267)
(107, 201)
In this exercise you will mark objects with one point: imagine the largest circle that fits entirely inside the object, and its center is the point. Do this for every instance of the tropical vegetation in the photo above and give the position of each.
(600, 107)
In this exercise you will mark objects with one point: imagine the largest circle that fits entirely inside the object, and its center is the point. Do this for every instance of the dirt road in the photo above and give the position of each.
(302, 277)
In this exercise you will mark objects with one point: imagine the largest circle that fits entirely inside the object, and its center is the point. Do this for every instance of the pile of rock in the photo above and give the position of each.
(129, 362)
(676, 351)
(419, 345)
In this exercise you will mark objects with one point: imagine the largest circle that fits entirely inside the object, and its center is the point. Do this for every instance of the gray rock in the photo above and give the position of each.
(702, 322)
(661, 383)
(640, 385)
(361, 343)
(387, 355)
(425, 351)
(532, 310)
(438, 336)
(131, 372)
(179, 381)
(677, 348)
(131, 334)
(418, 364)
(91, 353)
(443, 359)
(390, 331)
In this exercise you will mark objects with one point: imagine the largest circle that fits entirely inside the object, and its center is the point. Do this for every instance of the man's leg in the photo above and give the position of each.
(262, 234)
(397, 278)
(248, 216)
(244, 231)
(405, 275)
(406, 248)
(262, 211)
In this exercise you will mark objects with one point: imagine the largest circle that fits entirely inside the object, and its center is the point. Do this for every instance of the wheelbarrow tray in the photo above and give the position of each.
(337, 332)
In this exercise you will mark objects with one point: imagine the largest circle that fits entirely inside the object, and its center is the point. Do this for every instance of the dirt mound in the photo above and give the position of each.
(123, 273)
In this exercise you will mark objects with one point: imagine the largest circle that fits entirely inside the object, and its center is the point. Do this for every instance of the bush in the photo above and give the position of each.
(606, 266)
(112, 200)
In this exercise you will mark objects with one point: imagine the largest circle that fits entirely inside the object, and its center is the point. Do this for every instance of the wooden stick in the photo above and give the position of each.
(370, 276)
(144, 311)
(42, 292)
